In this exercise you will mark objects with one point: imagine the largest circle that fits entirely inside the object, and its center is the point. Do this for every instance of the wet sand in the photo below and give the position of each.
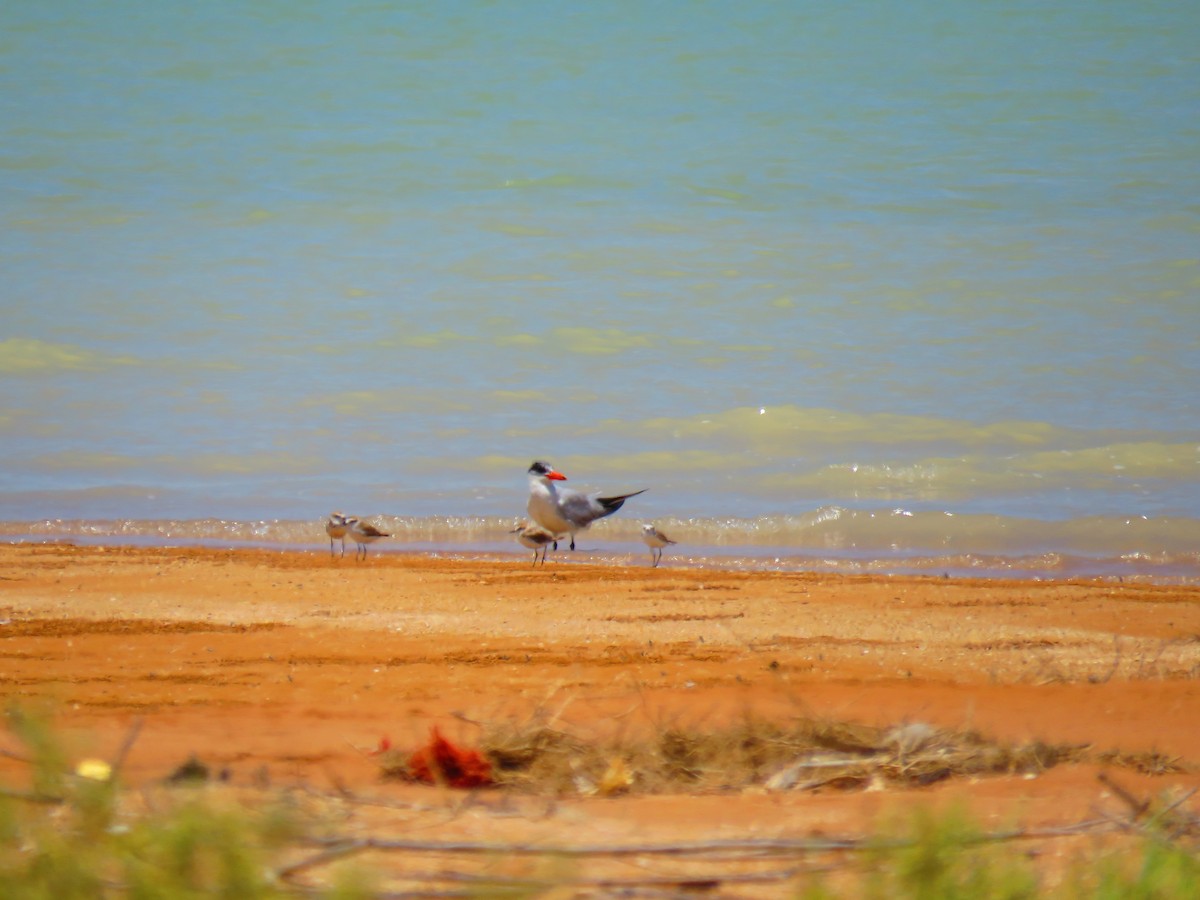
(287, 667)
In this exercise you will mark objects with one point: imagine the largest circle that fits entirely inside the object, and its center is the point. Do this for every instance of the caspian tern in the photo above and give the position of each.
(535, 538)
(362, 533)
(563, 510)
(655, 540)
(336, 529)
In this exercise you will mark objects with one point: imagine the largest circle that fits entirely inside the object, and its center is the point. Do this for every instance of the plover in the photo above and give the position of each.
(535, 538)
(655, 540)
(362, 533)
(336, 529)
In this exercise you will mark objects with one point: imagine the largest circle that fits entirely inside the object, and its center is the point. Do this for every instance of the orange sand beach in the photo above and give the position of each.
(289, 666)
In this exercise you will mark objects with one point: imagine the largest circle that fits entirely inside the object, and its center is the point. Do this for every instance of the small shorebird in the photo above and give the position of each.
(362, 533)
(336, 529)
(563, 510)
(535, 538)
(655, 540)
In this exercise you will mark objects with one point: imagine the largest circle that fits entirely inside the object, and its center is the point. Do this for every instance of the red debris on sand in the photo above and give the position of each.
(385, 745)
(441, 762)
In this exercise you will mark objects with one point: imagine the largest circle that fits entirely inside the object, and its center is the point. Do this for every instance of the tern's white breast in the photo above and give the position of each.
(543, 508)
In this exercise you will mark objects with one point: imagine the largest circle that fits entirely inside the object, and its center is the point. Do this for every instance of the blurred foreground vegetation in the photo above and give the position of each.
(69, 830)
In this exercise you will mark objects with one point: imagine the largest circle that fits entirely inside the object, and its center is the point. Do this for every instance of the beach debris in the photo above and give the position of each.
(910, 737)
(438, 762)
(94, 770)
(190, 772)
(617, 778)
(384, 746)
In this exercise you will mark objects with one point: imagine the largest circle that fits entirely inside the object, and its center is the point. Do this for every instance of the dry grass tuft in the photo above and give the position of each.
(536, 758)
(804, 754)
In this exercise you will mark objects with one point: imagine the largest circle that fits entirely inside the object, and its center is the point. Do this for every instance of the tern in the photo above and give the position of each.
(655, 540)
(535, 538)
(563, 510)
(336, 529)
(362, 533)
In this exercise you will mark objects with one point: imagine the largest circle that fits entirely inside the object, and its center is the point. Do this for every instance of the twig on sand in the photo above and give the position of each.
(130, 736)
(8, 754)
(1137, 808)
(749, 850)
(1167, 823)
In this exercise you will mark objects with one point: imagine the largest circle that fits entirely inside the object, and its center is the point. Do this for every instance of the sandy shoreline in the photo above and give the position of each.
(290, 665)
(1005, 549)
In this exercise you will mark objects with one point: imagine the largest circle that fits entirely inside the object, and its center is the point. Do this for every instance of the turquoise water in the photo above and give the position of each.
(861, 281)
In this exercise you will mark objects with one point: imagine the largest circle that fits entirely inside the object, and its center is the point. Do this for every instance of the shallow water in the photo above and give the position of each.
(829, 540)
(768, 262)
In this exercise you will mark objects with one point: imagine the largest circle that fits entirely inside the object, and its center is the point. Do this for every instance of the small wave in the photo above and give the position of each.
(830, 539)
